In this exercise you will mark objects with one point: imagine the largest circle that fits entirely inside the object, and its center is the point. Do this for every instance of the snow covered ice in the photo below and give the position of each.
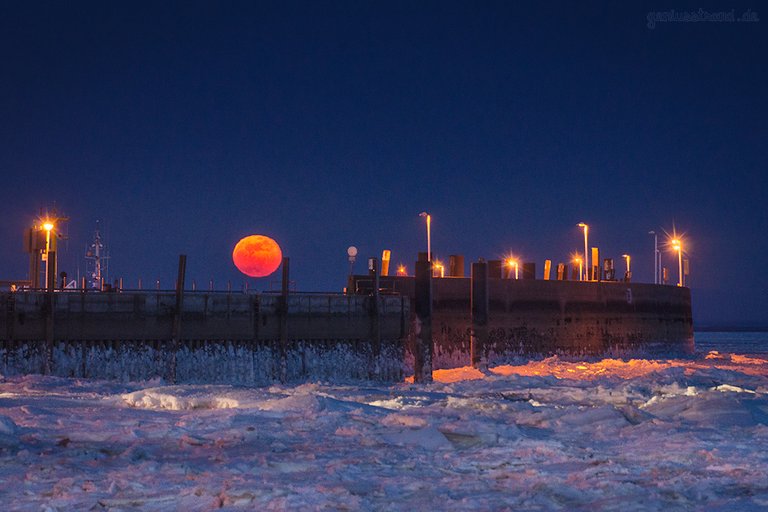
(546, 435)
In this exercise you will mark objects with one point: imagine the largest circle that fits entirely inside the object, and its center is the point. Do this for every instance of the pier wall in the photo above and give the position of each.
(261, 338)
(217, 337)
(528, 317)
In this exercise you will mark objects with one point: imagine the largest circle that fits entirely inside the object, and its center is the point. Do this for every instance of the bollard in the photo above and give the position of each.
(456, 265)
(529, 270)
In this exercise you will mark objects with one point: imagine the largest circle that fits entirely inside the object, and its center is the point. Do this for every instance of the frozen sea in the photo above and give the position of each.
(553, 434)
(733, 342)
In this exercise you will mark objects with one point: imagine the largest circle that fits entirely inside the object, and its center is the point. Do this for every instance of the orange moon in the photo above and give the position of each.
(257, 256)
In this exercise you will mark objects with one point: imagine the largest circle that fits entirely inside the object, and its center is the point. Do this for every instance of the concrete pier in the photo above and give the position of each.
(407, 326)
(529, 317)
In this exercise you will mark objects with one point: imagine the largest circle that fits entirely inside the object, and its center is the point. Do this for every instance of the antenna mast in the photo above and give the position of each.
(97, 259)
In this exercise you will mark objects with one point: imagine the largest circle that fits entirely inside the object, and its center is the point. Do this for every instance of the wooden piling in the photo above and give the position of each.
(422, 350)
(375, 313)
(50, 303)
(283, 319)
(177, 316)
(479, 306)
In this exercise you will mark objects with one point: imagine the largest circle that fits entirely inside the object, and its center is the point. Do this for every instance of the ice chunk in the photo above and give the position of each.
(7, 426)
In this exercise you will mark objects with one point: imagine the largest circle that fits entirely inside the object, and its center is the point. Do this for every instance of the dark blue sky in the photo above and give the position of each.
(185, 126)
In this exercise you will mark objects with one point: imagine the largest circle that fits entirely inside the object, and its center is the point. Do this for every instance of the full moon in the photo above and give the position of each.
(257, 256)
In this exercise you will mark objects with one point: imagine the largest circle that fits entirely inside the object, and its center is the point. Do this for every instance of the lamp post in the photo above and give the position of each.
(677, 245)
(628, 275)
(48, 227)
(656, 258)
(513, 263)
(581, 275)
(429, 234)
(586, 251)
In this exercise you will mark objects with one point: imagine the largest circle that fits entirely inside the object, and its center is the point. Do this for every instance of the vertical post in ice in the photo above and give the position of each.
(50, 306)
(422, 329)
(479, 301)
(283, 316)
(374, 272)
(177, 316)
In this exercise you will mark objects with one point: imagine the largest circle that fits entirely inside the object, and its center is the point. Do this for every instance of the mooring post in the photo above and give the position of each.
(422, 350)
(283, 316)
(374, 272)
(177, 315)
(479, 301)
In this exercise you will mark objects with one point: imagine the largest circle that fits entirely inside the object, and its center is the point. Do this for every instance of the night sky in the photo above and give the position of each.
(186, 126)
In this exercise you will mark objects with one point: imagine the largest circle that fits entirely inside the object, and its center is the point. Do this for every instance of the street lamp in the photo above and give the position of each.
(586, 251)
(656, 258)
(429, 234)
(581, 275)
(513, 263)
(48, 227)
(677, 245)
(628, 275)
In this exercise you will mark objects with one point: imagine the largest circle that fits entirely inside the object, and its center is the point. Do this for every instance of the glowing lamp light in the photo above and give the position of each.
(577, 260)
(48, 226)
(585, 227)
(677, 245)
(429, 234)
(401, 271)
(257, 256)
(511, 262)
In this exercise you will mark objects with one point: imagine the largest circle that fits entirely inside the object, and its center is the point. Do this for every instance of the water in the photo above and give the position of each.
(732, 342)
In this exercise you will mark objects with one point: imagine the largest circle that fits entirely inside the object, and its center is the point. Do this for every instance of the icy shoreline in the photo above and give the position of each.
(547, 435)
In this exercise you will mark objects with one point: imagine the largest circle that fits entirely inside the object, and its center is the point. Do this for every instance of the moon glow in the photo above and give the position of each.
(257, 256)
